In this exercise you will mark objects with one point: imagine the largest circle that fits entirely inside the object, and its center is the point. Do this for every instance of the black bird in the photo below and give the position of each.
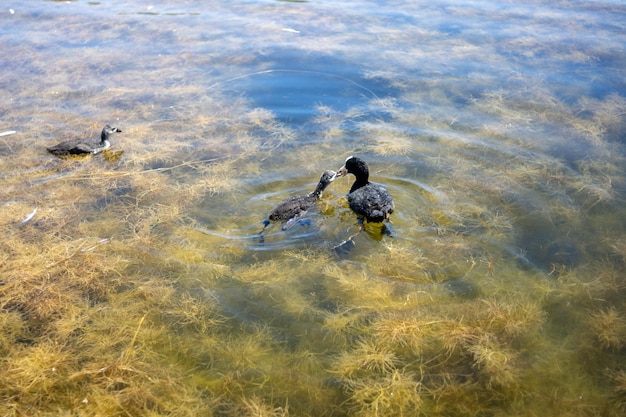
(83, 146)
(371, 202)
(292, 209)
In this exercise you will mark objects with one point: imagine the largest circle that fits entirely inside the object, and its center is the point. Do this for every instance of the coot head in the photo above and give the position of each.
(107, 130)
(326, 178)
(355, 166)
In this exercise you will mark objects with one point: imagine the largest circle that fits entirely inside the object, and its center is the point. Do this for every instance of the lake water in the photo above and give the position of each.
(135, 282)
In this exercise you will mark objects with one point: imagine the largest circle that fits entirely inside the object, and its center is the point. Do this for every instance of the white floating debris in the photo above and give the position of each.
(7, 133)
(291, 30)
(29, 217)
(100, 242)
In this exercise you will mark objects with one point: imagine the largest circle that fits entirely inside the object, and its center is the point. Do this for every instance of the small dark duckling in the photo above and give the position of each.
(82, 146)
(371, 202)
(294, 208)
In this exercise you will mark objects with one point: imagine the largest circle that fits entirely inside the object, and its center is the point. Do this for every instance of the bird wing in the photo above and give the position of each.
(372, 201)
(290, 208)
(82, 147)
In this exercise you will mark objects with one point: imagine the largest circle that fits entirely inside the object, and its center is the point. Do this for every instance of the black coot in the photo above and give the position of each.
(371, 202)
(82, 146)
(292, 209)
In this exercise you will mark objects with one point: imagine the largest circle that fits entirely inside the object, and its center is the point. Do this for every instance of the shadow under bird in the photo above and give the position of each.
(84, 146)
(291, 210)
(371, 202)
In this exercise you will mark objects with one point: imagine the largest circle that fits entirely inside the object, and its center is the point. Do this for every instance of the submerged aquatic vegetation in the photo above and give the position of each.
(495, 364)
(618, 395)
(397, 393)
(511, 321)
(365, 359)
(609, 328)
(138, 287)
(257, 407)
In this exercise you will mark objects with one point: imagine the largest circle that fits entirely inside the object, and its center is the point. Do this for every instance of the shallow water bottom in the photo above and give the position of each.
(125, 296)
(136, 282)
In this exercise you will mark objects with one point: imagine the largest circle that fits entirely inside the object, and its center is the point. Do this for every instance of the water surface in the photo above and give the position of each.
(135, 282)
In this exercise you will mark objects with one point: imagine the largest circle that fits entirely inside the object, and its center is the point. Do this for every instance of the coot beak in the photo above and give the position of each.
(342, 171)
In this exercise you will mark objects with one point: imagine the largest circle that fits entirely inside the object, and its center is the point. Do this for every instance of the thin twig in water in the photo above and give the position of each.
(131, 348)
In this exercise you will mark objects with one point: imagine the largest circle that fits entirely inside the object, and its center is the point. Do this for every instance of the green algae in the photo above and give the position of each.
(138, 287)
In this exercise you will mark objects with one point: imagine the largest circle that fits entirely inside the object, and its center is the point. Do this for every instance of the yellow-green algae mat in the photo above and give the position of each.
(117, 299)
(133, 283)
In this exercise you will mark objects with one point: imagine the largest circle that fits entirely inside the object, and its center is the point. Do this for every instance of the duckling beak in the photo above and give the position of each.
(342, 171)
